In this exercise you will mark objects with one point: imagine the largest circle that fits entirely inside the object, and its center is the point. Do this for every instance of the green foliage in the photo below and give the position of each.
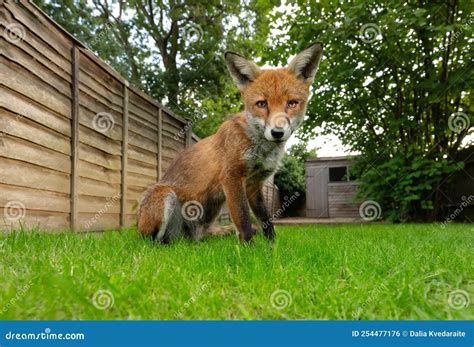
(290, 177)
(413, 180)
(392, 77)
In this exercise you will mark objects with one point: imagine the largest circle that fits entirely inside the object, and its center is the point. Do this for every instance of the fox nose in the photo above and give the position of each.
(277, 132)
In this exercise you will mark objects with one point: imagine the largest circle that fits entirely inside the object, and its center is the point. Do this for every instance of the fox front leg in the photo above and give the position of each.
(236, 197)
(257, 204)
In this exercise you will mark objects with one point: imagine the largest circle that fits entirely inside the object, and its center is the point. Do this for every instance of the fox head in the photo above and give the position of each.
(275, 99)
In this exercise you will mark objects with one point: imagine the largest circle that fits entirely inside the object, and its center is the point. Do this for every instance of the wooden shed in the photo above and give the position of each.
(329, 190)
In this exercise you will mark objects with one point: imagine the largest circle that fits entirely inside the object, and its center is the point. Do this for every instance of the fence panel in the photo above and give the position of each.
(173, 138)
(100, 147)
(35, 103)
(143, 150)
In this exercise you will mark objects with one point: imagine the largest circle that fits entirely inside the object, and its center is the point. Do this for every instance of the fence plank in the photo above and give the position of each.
(123, 191)
(74, 135)
(160, 143)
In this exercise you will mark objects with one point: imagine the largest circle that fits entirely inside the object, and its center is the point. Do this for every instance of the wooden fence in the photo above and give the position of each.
(271, 195)
(78, 144)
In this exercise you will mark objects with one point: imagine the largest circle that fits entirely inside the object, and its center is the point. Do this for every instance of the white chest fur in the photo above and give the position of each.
(264, 157)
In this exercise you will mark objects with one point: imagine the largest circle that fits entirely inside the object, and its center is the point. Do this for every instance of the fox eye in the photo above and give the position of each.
(261, 104)
(292, 103)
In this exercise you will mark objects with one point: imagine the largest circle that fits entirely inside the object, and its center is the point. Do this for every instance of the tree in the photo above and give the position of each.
(396, 86)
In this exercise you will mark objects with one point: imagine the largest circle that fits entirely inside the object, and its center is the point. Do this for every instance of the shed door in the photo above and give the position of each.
(317, 179)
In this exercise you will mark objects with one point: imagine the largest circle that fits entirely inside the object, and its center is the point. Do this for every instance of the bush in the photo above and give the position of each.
(405, 186)
(290, 177)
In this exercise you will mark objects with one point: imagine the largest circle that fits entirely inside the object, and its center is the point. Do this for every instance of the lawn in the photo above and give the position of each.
(312, 272)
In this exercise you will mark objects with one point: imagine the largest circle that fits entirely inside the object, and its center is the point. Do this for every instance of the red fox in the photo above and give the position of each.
(233, 164)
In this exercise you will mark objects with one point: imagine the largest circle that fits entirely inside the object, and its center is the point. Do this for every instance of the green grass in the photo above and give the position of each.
(329, 271)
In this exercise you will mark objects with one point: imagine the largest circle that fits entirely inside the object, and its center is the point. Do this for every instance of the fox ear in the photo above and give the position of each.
(306, 63)
(243, 71)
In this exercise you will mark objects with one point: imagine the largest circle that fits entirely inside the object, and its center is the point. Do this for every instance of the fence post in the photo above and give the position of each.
(74, 136)
(189, 133)
(160, 143)
(123, 178)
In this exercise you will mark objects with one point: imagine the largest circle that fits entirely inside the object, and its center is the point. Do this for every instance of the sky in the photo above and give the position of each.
(326, 146)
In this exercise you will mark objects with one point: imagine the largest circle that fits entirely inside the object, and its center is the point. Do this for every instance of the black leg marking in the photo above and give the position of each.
(258, 207)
